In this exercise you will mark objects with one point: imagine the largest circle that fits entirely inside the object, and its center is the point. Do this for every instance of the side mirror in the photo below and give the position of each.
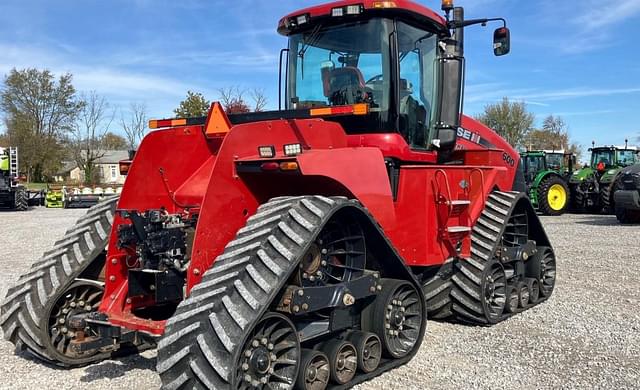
(450, 85)
(501, 41)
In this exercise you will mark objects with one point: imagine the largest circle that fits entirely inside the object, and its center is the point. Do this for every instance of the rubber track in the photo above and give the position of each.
(202, 341)
(34, 292)
(437, 292)
(485, 238)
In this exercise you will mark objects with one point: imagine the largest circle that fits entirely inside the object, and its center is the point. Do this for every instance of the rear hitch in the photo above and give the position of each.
(97, 334)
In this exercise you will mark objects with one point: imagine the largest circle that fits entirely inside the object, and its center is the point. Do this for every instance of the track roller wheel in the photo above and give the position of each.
(344, 360)
(82, 297)
(494, 288)
(314, 370)
(523, 295)
(369, 350)
(543, 267)
(513, 299)
(534, 290)
(271, 355)
(397, 317)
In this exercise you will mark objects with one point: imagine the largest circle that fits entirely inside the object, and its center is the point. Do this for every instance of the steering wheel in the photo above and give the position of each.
(374, 79)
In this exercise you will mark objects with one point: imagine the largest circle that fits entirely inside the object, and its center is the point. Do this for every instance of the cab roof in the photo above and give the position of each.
(406, 8)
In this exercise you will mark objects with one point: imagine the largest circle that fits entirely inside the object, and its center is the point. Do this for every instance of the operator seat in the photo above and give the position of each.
(344, 86)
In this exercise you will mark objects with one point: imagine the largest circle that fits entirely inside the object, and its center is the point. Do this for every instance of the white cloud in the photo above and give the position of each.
(490, 92)
(597, 14)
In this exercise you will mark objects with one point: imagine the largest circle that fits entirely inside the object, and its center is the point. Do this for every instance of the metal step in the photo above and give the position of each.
(458, 229)
(458, 202)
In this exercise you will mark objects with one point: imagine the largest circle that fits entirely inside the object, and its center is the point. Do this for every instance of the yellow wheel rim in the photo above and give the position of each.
(557, 197)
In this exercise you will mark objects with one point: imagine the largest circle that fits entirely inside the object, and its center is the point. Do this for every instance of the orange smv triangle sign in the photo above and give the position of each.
(218, 124)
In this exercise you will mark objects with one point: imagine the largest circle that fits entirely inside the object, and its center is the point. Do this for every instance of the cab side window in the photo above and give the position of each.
(417, 51)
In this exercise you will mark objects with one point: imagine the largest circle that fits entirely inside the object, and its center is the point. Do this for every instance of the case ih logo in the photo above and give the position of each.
(474, 137)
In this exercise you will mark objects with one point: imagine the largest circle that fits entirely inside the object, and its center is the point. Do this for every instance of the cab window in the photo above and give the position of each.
(417, 84)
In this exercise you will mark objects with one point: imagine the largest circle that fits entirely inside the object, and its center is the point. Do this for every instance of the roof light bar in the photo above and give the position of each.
(384, 4)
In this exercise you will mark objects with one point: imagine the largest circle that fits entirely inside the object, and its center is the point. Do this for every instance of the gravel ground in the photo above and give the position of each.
(586, 336)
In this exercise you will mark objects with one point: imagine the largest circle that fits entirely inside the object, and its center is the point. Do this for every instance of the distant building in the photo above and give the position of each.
(107, 169)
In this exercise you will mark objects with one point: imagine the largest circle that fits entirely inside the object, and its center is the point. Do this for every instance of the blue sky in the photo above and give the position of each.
(576, 59)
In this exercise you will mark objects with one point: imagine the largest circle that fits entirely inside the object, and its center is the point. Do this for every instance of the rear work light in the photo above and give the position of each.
(292, 149)
(267, 151)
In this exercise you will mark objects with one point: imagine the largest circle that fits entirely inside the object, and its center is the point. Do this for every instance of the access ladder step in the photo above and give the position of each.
(458, 229)
(458, 202)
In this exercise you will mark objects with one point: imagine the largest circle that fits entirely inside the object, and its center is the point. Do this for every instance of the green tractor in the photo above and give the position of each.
(546, 173)
(13, 196)
(592, 186)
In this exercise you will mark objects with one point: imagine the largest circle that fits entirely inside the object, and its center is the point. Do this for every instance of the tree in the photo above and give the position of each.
(259, 99)
(554, 135)
(38, 113)
(195, 105)
(136, 125)
(4, 141)
(234, 102)
(509, 119)
(112, 141)
(89, 133)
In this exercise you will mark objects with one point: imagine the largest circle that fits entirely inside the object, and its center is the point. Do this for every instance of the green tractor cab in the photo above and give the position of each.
(592, 186)
(546, 174)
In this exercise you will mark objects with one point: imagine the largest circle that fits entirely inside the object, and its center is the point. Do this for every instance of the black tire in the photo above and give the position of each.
(626, 216)
(606, 197)
(577, 199)
(21, 199)
(546, 185)
(28, 304)
(437, 292)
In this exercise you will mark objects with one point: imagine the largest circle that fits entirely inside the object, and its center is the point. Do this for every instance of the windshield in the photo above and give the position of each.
(627, 157)
(534, 164)
(335, 66)
(353, 63)
(555, 161)
(602, 156)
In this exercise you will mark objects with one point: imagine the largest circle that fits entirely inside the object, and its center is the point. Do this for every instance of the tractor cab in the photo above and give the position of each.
(380, 67)
(532, 163)
(612, 157)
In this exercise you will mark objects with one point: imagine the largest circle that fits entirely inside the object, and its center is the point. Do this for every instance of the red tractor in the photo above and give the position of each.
(304, 247)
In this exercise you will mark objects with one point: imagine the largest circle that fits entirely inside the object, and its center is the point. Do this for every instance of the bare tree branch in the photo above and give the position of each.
(89, 132)
(135, 125)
